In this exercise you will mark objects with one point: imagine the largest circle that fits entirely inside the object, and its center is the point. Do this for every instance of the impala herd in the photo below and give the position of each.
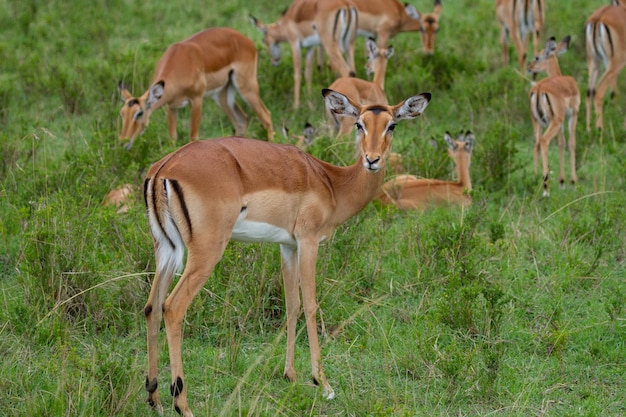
(209, 192)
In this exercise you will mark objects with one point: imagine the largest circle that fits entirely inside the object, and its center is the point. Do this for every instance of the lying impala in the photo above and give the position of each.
(209, 192)
(519, 19)
(362, 91)
(384, 19)
(605, 35)
(408, 192)
(216, 62)
(306, 24)
(553, 100)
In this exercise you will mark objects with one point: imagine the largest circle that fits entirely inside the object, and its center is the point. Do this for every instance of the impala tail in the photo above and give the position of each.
(345, 30)
(161, 195)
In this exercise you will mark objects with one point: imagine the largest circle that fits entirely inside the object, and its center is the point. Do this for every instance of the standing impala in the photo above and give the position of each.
(362, 91)
(209, 192)
(605, 36)
(384, 19)
(307, 24)
(408, 192)
(216, 62)
(553, 100)
(519, 19)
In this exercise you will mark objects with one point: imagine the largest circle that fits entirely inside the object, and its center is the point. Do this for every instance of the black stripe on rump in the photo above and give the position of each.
(179, 193)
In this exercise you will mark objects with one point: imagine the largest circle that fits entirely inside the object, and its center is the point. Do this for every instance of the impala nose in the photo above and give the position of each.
(372, 164)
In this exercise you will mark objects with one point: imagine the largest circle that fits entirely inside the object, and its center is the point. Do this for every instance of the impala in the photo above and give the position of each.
(553, 100)
(362, 91)
(307, 24)
(408, 192)
(209, 192)
(216, 62)
(605, 35)
(384, 19)
(519, 18)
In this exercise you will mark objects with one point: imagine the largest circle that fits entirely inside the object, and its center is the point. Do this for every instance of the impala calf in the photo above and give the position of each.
(519, 19)
(306, 24)
(209, 192)
(605, 39)
(408, 192)
(384, 19)
(216, 62)
(553, 100)
(362, 91)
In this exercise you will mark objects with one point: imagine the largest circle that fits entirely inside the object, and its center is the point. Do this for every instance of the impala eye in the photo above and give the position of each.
(359, 126)
(391, 127)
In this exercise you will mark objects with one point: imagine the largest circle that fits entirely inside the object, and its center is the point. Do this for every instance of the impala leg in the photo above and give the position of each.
(572, 145)
(537, 131)
(202, 257)
(226, 100)
(504, 42)
(172, 119)
(196, 114)
(248, 86)
(561, 142)
(297, 72)
(307, 255)
(308, 68)
(154, 314)
(289, 263)
(607, 80)
(593, 69)
(544, 144)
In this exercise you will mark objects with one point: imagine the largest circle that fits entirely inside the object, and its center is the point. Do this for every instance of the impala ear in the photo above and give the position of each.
(450, 141)
(156, 92)
(390, 51)
(563, 46)
(411, 107)
(469, 141)
(371, 47)
(340, 104)
(257, 23)
(124, 93)
(411, 11)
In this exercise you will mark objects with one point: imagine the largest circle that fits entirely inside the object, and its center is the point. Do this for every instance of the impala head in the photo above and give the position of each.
(429, 24)
(375, 123)
(136, 111)
(547, 57)
(461, 147)
(376, 57)
(272, 37)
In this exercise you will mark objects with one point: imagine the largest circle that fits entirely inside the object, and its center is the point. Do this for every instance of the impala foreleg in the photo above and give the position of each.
(172, 120)
(196, 114)
(307, 255)
(289, 263)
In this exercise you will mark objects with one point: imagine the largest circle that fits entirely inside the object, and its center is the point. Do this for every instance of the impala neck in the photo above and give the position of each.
(380, 68)
(462, 172)
(353, 187)
(552, 68)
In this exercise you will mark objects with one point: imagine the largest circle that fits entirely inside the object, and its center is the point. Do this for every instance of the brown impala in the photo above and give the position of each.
(209, 192)
(216, 62)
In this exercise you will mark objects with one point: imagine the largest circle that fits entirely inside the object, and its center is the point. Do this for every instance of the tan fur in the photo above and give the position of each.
(216, 62)
(199, 196)
(518, 19)
(308, 23)
(407, 192)
(554, 100)
(605, 36)
(120, 197)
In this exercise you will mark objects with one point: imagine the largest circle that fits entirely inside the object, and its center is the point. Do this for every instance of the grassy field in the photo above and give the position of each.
(511, 307)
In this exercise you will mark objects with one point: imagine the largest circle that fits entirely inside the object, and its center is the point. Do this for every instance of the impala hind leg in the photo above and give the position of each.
(250, 91)
(154, 314)
(202, 258)
(226, 100)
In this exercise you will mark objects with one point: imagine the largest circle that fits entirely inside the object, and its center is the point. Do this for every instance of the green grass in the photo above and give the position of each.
(511, 307)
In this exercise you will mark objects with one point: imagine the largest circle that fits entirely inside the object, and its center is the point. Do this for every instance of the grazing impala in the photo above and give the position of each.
(306, 24)
(362, 91)
(408, 192)
(605, 35)
(209, 192)
(384, 19)
(519, 18)
(215, 62)
(553, 100)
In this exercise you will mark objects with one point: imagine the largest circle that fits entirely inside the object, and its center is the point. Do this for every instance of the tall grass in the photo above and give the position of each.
(513, 306)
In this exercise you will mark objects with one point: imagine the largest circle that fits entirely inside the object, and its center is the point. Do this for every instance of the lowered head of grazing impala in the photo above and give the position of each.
(209, 192)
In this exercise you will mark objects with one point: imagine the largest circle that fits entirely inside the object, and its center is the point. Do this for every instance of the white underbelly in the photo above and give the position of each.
(250, 231)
